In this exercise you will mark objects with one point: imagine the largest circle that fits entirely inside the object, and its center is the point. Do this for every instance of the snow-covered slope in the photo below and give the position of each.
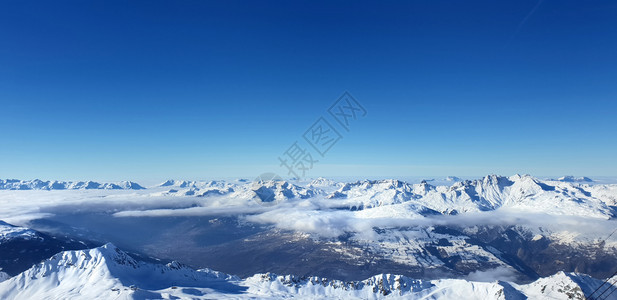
(196, 188)
(21, 247)
(4, 276)
(194, 184)
(523, 193)
(279, 191)
(571, 178)
(109, 273)
(36, 184)
(10, 232)
(341, 230)
(106, 273)
(565, 196)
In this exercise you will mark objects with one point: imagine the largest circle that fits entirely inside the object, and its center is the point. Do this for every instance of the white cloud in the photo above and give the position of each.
(500, 273)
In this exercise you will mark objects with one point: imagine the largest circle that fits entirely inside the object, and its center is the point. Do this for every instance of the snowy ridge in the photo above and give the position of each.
(452, 178)
(425, 231)
(109, 273)
(197, 188)
(280, 190)
(10, 232)
(493, 192)
(571, 178)
(4, 276)
(325, 185)
(375, 287)
(36, 184)
(103, 273)
(489, 193)
(193, 184)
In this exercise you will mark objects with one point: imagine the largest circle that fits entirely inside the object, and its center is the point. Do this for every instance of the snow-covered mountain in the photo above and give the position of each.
(493, 192)
(109, 273)
(277, 191)
(452, 178)
(4, 276)
(9, 232)
(565, 196)
(106, 273)
(571, 178)
(21, 247)
(490, 193)
(192, 184)
(36, 184)
(196, 188)
(516, 228)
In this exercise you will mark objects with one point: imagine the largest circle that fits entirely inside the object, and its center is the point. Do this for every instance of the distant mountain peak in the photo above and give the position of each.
(571, 178)
(37, 184)
(452, 178)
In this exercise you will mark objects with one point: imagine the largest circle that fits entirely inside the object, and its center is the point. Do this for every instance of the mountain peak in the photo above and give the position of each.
(571, 178)
(37, 184)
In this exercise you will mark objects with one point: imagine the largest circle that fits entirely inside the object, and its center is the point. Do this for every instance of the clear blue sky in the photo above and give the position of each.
(199, 89)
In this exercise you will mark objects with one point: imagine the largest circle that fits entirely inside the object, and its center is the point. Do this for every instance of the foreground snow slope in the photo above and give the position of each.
(106, 273)
(109, 273)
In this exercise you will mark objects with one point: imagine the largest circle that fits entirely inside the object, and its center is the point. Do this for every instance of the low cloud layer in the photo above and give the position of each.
(492, 275)
(314, 216)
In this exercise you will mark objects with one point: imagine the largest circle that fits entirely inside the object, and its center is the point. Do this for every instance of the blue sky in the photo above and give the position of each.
(117, 90)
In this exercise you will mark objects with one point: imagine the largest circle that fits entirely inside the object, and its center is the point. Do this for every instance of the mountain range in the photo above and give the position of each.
(495, 237)
(36, 184)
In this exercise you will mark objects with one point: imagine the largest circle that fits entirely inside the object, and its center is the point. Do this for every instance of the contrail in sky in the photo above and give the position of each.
(522, 23)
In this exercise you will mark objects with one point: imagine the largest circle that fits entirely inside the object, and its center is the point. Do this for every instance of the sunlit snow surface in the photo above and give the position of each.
(109, 273)
(328, 208)
(342, 229)
(8, 232)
